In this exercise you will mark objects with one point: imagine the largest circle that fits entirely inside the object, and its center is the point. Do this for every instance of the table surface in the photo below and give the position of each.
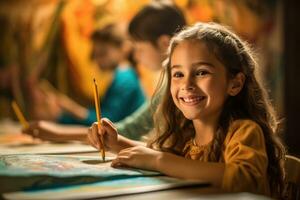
(202, 192)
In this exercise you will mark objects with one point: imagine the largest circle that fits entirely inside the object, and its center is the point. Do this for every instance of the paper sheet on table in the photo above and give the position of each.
(19, 172)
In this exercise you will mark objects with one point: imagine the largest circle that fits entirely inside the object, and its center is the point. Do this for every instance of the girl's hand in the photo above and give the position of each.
(138, 157)
(107, 131)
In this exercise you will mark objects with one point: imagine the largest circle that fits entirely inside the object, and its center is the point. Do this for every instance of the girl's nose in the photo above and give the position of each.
(188, 88)
(188, 85)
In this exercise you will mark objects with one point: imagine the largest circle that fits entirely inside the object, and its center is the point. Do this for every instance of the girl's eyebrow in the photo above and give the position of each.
(175, 66)
(202, 63)
(195, 65)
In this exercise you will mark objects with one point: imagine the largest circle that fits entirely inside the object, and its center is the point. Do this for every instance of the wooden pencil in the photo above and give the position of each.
(19, 115)
(98, 113)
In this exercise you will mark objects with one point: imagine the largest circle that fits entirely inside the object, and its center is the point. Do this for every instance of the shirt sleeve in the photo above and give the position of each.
(138, 124)
(245, 159)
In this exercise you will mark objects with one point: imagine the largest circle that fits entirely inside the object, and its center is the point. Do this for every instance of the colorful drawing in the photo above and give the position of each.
(107, 188)
(44, 171)
(61, 166)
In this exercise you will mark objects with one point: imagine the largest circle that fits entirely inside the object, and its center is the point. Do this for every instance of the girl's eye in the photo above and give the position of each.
(177, 74)
(201, 73)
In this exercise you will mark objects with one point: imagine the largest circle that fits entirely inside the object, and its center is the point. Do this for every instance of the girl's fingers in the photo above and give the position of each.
(107, 121)
(125, 151)
(90, 138)
(95, 136)
(123, 156)
(108, 125)
(115, 163)
(120, 161)
(95, 128)
(100, 131)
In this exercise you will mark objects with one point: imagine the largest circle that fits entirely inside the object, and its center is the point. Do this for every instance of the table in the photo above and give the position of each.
(207, 192)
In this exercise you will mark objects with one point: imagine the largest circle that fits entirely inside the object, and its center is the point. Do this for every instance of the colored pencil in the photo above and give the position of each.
(98, 113)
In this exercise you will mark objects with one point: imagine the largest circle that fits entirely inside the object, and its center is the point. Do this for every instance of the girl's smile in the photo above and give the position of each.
(191, 99)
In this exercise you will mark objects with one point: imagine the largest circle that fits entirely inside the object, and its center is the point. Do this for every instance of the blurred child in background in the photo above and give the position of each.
(151, 30)
(113, 52)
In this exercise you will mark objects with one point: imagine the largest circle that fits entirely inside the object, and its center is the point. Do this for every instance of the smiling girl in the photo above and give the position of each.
(215, 121)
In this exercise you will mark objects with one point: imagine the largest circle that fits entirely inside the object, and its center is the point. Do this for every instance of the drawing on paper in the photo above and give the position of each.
(51, 171)
(62, 166)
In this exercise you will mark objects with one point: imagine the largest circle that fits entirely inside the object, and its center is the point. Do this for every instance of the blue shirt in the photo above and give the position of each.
(122, 98)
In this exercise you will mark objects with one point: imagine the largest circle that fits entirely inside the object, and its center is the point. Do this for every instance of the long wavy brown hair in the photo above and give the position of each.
(174, 130)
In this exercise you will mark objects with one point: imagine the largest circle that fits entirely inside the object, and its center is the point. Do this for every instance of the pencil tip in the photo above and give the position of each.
(94, 80)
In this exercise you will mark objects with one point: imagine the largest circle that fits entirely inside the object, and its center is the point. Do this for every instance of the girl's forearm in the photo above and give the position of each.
(180, 167)
(124, 143)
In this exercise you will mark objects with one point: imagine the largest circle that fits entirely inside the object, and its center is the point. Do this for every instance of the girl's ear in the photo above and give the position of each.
(236, 84)
(163, 42)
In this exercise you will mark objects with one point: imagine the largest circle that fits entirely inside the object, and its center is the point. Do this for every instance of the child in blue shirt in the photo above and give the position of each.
(111, 51)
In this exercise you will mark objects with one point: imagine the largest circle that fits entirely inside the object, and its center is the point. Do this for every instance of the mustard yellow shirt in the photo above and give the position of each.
(244, 155)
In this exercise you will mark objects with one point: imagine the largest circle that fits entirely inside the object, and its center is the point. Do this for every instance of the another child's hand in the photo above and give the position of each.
(107, 131)
(45, 130)
(138, 157)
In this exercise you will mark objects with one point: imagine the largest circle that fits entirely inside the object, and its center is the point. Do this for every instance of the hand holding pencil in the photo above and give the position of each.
(107, 132)
(103, 134)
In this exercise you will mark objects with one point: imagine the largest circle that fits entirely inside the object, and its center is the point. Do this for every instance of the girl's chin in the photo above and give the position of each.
(191, 117)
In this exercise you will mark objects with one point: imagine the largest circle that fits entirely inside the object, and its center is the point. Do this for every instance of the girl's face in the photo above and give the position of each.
(199, 82)
(148, 55)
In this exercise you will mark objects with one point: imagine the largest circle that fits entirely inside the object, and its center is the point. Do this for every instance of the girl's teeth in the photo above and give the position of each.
(192, 100)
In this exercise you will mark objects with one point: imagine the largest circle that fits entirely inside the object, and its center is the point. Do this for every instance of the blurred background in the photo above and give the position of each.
(48, 41)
